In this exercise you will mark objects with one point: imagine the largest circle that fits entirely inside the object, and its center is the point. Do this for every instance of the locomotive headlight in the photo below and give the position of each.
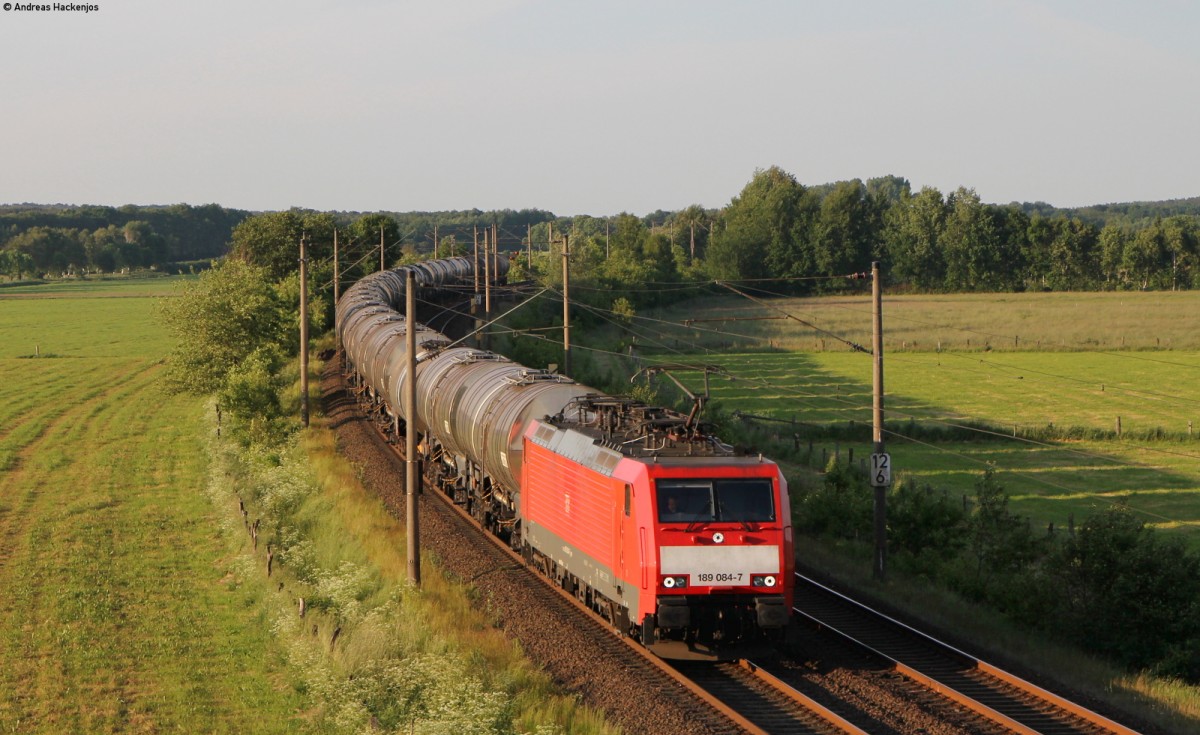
(675, 582)
(718, 538)
(760, 580)
(769, 581)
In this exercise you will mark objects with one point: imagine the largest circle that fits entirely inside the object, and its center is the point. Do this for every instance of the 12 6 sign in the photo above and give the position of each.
(881, 470)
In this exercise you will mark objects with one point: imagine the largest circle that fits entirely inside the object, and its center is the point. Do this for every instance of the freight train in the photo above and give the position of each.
(672, 536)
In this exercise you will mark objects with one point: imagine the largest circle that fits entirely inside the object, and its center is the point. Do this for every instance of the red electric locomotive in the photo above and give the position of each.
(671, 535)
(662, 529)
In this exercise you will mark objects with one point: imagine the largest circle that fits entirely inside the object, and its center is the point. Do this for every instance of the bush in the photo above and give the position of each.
(923, 523)
(843, 506)
(250, 396)
(1124, 592)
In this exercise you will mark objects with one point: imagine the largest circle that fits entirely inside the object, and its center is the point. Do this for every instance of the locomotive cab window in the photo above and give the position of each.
(737, 500)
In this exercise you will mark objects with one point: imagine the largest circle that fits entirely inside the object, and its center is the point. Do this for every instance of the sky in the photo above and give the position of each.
(595, 107)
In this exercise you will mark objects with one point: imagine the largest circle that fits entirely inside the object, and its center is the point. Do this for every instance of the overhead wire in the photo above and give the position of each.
(987, 432)
(849, 405)
(1115, 385)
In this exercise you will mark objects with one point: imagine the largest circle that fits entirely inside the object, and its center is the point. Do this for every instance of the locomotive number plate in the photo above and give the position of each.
(718, 578)
(720, 566)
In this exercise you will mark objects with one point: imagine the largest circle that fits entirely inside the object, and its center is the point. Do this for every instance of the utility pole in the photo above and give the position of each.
(529, 244)
(881, 463)
(303, 330)
(487, 284)
(435, 242)
(475, 295)
(382, 267)
(337, 291)
(412, 478)
(495, 252)
(566, 306)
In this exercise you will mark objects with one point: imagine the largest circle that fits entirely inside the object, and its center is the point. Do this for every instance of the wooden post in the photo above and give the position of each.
(382, 267)
(337, 292)
(487, 284)
(411, 478)
(303, 331)
(529, 244)
(880, 569)
(487, 275)
(475, 295)
(435, 241)
(1118, 427)
(495, 253)
(566, 256)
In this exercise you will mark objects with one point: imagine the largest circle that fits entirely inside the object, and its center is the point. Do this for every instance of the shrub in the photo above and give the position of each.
(842, 506)
(924, 523)
(1125, 592)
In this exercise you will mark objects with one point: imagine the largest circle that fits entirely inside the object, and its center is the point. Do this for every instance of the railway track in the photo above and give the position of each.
(744, 697)
(764, 700)
(639, 670)
(991, 693)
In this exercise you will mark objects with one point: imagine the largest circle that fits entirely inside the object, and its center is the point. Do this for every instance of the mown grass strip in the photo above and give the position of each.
(1038, 322)
(116, 617)
(117, 610)
(75, 327)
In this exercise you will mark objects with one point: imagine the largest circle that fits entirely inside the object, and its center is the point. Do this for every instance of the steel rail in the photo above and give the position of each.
(805, 701)
(931, 682)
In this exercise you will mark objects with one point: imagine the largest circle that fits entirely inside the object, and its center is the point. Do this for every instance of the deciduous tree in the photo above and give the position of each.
(218, 320)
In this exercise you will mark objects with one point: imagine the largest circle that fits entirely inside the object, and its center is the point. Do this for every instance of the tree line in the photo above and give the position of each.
(37, 240)
(928, 241)
(774, 228)
(54, 240)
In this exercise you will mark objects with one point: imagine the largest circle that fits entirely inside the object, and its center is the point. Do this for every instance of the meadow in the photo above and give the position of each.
(116, 610)
(132, 598)
(1033, 385)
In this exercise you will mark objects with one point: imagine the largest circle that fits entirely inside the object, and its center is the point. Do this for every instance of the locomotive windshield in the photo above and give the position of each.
(736, 499)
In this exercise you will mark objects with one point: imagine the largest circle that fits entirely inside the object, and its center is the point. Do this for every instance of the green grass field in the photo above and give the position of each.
(1062, 401)
(116, 610)
(964, 322)
(131, 598)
